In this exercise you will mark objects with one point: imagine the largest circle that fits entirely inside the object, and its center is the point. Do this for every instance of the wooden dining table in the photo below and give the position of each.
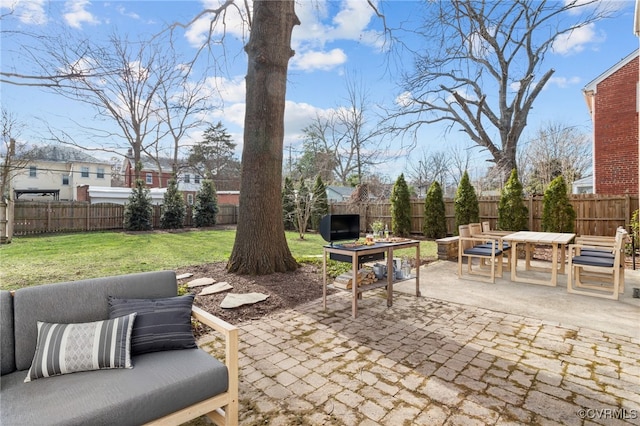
(558, 242)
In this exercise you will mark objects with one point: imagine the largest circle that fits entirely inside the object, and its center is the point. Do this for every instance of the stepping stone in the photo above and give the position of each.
(233, 300)
(183, 276)
(199, 282)
(216, 288)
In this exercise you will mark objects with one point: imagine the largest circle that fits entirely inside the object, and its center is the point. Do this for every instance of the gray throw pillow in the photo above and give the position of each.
(161, 324)
(68, 348)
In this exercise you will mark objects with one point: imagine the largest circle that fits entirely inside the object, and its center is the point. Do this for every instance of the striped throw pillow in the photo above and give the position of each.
(161, 324)
(69, 348)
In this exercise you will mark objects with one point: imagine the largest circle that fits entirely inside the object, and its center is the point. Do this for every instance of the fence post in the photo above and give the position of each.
(6, 220)
(88, 221)
(48, 227)
(627, 210)
(531, 213)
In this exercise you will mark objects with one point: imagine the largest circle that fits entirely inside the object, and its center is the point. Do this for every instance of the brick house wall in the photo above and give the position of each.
(615, 130)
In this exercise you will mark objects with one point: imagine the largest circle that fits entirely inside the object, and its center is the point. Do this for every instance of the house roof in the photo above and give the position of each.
(61, 153)
(592, 85)
(591, 88)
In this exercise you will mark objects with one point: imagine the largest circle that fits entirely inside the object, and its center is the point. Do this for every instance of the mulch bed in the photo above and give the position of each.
(285, 290)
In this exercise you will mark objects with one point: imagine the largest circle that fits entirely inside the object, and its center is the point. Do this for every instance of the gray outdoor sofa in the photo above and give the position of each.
(163, 387)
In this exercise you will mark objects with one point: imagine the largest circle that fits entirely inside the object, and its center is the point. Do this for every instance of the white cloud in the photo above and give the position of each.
(575, 41)
(27, 11)
(124, 12)
(76, 13)
(314, 60)
(564, 82)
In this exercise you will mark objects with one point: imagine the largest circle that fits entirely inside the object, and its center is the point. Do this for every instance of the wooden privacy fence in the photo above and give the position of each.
(60, 216)
(596, 214)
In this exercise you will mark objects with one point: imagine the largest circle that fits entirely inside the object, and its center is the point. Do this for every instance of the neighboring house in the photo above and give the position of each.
(151, 174)
(612, 99)
(158, 177)
(339, 193)
(583, 186)
(189, 180)
(53, 172)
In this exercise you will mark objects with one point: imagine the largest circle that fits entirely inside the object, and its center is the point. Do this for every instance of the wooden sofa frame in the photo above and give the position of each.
(222, 409)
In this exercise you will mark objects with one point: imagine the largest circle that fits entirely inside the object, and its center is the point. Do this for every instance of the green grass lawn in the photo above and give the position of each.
(54, 258)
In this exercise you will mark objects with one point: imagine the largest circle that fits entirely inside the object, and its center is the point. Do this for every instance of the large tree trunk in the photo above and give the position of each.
(261, 247)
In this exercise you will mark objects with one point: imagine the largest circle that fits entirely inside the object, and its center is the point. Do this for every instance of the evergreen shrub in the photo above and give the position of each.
(173, 207)
(513, 214)
(466, 203)
(138, 212)
(400, 208)
(435, 222)
(558, 214)
(205, 208)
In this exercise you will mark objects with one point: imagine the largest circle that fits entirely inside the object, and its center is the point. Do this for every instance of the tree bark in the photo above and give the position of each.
(260, 247)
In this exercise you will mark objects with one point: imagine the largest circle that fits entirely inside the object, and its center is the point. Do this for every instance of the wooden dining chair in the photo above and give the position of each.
(597, 269)
(478, 247)
(480, 230)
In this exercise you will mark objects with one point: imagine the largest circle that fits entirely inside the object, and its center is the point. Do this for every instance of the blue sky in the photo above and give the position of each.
(335, 39)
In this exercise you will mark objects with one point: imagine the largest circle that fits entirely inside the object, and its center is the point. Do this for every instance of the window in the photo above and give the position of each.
(84, 172)
(190, 199)
(196, 179)
(33, 171)
(100, 174)
(65, 179)
(149, 178)
(187, 178)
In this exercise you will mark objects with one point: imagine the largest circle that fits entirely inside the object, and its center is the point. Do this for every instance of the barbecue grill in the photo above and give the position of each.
(335, 228)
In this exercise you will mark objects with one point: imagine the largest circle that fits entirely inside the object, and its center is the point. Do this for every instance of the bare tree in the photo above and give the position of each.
(432, 166)
(122, 80)
(346, 139)
(482, 68)
(260, 246)
(557, 149)
(183, 104)
(15, 155)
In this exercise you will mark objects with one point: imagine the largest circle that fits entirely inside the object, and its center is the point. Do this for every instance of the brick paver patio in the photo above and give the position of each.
(431, 362)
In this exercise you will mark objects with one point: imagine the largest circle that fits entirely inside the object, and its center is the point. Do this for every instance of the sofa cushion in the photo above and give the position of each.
(69, 348)
(79, 301)
(161, 324)
(7, 346)
(159, 384)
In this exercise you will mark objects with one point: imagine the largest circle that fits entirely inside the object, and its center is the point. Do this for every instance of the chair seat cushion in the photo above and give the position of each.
(593, 261)
(159, 383)
(505, 245)
(481, 251)
(592, 252)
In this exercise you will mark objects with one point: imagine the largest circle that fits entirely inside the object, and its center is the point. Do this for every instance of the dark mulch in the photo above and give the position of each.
(285, 290)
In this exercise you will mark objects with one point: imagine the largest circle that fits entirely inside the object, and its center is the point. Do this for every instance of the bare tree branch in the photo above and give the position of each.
(482, 67)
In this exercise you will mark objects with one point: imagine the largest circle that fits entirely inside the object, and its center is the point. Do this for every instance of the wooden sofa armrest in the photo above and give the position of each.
(230, 333)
